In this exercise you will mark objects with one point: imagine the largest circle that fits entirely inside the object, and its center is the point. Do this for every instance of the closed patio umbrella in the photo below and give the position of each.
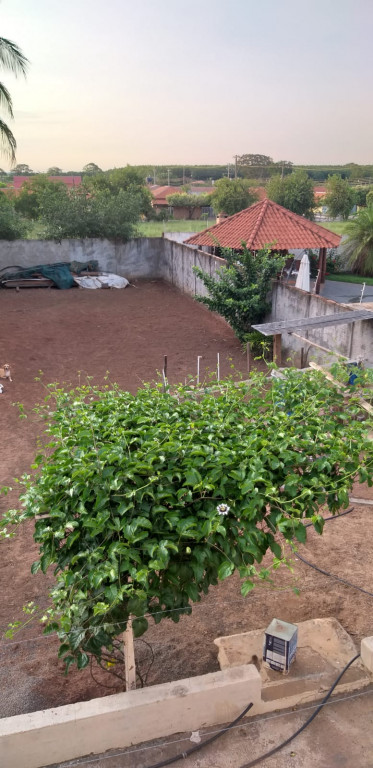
(303, 279)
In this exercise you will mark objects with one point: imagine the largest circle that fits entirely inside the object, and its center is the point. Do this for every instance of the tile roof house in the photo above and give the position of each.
(266, 223)
(70, 181)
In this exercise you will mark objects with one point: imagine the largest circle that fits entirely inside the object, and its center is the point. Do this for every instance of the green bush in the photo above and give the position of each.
(12, 225)
(74, 214)
(141, 503)
(240, 292)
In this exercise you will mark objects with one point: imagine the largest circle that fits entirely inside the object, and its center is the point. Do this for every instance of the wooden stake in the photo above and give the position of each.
(248, 357)
(198, 359)
(218, 367)
(129, 657)
(164, 373)
(277, 349)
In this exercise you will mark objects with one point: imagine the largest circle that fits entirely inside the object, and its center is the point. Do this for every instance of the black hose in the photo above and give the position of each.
(189, 752)
(283, 744)
(333, 517)
(273, 751)
(332, 576)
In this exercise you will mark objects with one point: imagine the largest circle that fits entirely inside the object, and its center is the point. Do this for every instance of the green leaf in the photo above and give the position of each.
(225, 569)
(246, 587)
(82, 660)
(35, 567)
(139, 626)
(300, 533)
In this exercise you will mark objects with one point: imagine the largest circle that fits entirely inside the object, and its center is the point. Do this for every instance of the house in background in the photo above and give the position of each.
(160, 202)
(70, 181)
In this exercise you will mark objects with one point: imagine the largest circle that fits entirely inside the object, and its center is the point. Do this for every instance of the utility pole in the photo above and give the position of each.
(168, 177)
(183, 177)
(235, 166)
(228, 171)
(153, 175)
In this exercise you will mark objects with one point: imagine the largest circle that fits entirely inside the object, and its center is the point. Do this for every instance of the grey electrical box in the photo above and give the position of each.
(280, 645)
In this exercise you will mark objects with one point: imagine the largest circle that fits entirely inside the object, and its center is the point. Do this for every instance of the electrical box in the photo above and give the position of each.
(280, 645)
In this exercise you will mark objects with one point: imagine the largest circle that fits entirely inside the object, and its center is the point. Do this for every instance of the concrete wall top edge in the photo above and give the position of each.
(128, 700)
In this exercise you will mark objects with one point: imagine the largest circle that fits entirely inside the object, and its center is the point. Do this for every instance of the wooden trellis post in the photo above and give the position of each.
(129, 657)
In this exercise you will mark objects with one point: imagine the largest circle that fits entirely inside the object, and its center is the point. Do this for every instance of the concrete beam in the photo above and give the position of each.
(68, 732)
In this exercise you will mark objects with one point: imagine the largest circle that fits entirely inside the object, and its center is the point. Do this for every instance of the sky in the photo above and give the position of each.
(190, 82)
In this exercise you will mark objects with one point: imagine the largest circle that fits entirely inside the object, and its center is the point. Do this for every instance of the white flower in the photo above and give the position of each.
(223, 509)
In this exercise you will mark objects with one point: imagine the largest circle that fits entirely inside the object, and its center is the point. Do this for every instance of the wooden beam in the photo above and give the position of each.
(313, 344)
(363, 403)
(277, 349)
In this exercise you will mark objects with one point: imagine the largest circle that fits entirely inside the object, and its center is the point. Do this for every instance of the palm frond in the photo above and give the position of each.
(359, 243)
(8, 142)
(12, 58)
(6, 100)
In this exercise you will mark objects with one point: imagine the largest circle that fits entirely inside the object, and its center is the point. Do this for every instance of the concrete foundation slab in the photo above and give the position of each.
(324, 648)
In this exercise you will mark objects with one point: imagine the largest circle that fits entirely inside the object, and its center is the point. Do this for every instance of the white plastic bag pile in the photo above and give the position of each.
(104, 280)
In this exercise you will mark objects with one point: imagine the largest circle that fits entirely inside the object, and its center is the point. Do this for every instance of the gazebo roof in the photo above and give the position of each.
(266, 223)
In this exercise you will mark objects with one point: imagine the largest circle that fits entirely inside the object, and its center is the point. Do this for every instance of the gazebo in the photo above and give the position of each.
(267, 224)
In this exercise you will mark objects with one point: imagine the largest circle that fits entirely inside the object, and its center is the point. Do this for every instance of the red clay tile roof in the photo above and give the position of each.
(70, 181)
(161, 193)
(266, 223)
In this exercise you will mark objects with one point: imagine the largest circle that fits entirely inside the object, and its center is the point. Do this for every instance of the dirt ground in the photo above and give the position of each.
(128, 332)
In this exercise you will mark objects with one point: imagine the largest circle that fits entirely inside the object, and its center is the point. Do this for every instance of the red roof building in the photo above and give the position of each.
(70, 181)
(266, 224)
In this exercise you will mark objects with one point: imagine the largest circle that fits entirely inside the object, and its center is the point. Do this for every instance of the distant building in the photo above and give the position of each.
(70, 181)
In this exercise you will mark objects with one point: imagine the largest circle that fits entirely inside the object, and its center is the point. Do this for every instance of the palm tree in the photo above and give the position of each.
(359, 244)
(13, 60)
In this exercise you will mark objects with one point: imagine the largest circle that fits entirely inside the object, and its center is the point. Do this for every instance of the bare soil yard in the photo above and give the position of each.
(128, 332)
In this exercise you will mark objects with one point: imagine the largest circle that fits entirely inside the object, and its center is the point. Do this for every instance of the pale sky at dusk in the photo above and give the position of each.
(187, 81)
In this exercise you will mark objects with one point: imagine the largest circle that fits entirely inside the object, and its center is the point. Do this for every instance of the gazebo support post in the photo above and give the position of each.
(322, 270)
(277, 349)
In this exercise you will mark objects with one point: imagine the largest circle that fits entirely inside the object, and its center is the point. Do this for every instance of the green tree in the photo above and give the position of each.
(339, 197)
(240, 291)
(22, 169)
(294, 192)
(74, 214)
(190, 202)
(29, 200)
(91, 168)
(359, 244)
(13, 60)
(128, 179)
(54, 171)
(232, 195)
(12, 225)
(256, 160)
(369, 198)
(168, 492)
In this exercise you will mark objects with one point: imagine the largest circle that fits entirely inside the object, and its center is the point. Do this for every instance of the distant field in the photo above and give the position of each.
(156, 228)
(339, 227)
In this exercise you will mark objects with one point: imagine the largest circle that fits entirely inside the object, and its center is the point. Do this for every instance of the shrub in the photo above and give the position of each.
(12, 225)
(75, 214)
(141, 503)
(240, 292)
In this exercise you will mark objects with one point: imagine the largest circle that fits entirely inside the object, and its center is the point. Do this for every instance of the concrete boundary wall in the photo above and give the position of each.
(142, 258)
(352, 340)
(118, 721)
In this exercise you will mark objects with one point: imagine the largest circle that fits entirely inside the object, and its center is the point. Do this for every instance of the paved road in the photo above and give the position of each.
(346, 292)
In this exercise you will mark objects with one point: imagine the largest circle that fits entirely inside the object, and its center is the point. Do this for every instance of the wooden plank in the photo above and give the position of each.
(363, 403)
(338, 318)
(313, 344)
